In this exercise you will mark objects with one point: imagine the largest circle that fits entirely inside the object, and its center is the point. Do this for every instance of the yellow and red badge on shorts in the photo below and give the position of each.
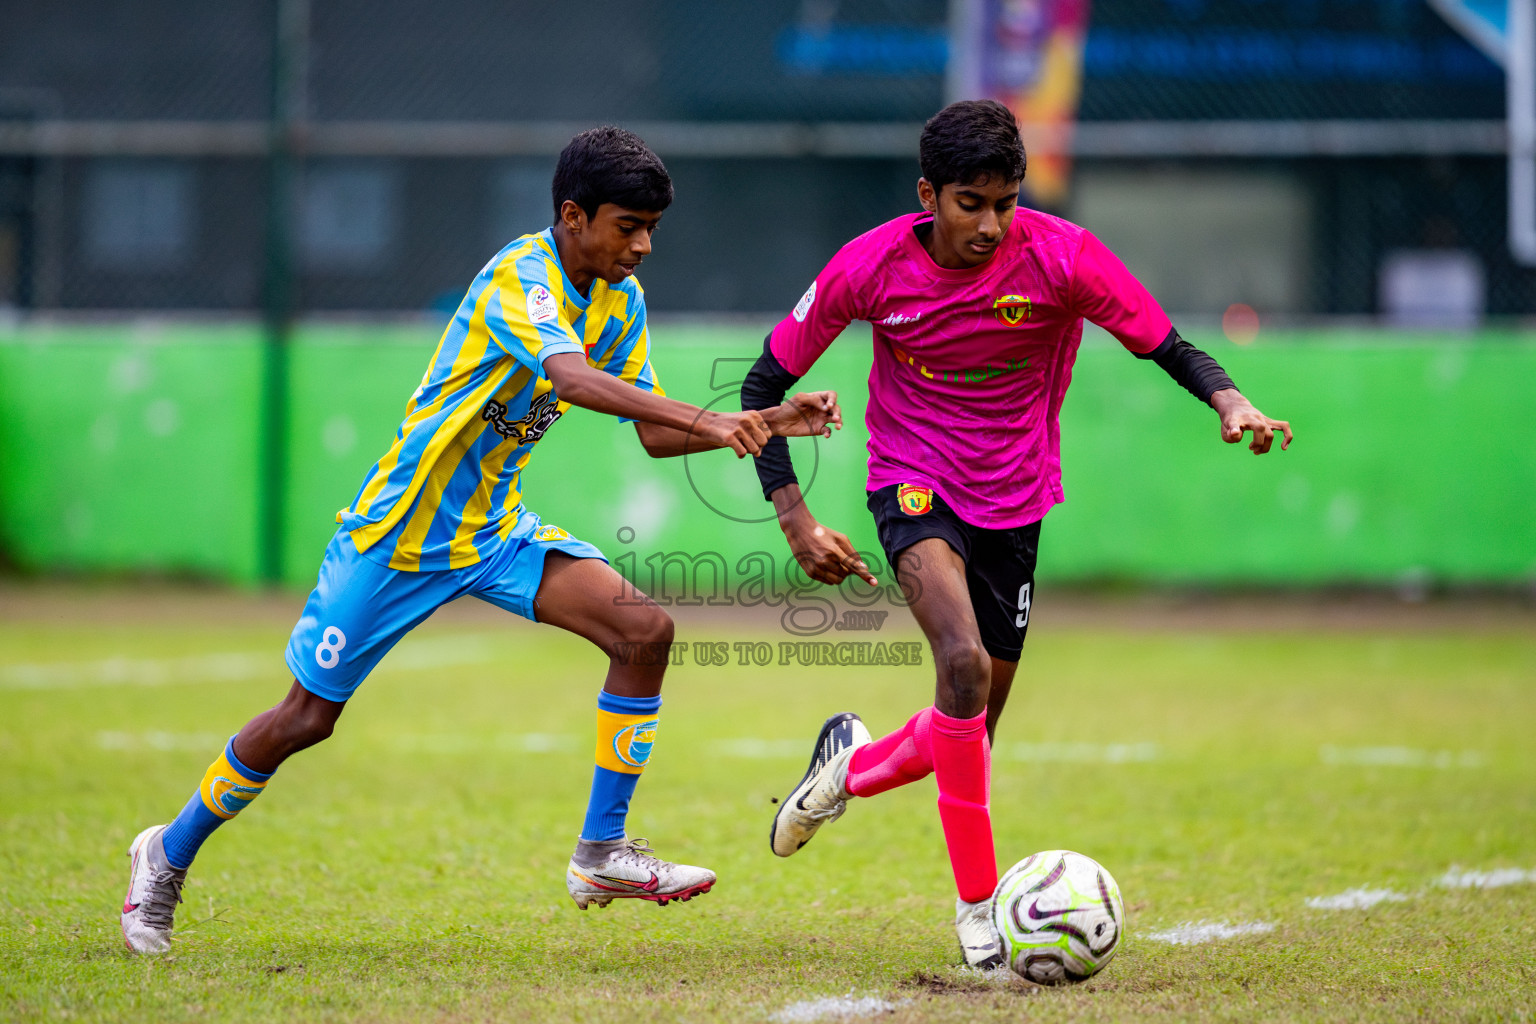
(1012, 309)
(914, 500)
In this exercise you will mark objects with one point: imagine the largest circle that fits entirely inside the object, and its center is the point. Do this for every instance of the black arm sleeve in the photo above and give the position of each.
(1191, 368)
(765, 387)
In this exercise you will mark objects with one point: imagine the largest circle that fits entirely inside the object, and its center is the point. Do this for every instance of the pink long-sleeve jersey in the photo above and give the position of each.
(971, 366)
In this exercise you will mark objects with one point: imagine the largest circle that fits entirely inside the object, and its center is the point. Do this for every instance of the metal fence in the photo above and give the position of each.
(147, 149)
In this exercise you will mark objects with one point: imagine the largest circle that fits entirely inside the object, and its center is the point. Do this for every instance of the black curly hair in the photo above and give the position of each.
(970, 140)
(610, 165)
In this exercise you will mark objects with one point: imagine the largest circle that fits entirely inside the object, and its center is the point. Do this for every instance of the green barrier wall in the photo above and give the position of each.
(128, 449)
(135, 448)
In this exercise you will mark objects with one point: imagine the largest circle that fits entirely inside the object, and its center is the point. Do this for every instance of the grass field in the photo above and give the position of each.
(412, 867)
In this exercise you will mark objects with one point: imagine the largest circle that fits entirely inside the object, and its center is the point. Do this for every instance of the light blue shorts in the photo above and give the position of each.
(360, 609)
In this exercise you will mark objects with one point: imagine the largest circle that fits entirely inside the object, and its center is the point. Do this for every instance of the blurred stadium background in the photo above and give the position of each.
(230, 234)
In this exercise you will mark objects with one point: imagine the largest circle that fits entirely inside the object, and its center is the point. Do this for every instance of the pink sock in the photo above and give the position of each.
(895, 760)
(962, 767)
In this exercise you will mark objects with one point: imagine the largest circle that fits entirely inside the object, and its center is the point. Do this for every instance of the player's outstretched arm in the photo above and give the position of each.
(1106, 293)
(807, 414)
(1203, 377)
(744, 433)
(826, 555)
(1238, 416)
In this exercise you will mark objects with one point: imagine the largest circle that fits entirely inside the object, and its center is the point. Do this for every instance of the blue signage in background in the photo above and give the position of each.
(1230, 54)
(1337, 59)
(863, 50)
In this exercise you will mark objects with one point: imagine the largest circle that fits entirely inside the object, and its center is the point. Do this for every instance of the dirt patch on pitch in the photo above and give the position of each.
(965, 981)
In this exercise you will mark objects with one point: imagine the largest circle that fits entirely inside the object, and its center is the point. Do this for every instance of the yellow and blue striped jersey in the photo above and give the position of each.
(448, 490)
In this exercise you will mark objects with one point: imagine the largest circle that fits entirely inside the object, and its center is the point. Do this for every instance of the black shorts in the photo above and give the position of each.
(999, 564)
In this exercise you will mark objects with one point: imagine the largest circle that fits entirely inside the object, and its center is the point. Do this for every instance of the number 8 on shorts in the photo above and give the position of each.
(328, 651)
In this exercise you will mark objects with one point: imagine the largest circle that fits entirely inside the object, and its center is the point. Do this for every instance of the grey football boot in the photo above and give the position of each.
(154, 889)
(601, 872)
(822, 794)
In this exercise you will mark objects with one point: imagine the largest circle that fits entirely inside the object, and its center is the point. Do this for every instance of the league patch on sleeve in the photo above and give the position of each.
(542, 307)
(804, 305)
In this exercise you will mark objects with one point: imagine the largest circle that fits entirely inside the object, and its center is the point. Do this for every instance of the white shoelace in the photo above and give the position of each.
(637, 851)
(157, 909)
(826, 814)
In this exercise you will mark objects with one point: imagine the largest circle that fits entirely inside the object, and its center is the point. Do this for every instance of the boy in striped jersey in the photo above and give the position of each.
(553, 320)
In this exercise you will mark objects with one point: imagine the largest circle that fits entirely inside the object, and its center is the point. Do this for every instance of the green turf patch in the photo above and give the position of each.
(412, 867)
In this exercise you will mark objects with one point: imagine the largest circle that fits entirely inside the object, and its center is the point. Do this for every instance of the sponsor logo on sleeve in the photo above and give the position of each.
(542, 307)
(804, 305)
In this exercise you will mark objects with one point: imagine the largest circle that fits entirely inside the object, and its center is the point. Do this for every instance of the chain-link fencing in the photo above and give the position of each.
(1306, 158)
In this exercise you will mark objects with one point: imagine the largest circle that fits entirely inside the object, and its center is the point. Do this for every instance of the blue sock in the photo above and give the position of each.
(626, 730)
(226, 788)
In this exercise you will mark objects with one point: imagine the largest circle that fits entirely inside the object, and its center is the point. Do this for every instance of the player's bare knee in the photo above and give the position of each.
(309, 720)
(316, 727)
(649, 630)
(657, 627)
(965, 662)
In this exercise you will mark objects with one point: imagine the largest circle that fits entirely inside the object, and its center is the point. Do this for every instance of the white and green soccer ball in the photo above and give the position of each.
(1060, 916)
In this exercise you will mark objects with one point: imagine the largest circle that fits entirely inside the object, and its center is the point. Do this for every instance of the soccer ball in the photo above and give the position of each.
(1060, 916)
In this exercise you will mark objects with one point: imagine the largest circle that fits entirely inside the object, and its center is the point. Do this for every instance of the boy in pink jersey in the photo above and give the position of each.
(977, 308)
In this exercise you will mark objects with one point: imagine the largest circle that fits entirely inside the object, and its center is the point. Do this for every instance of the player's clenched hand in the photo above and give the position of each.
(826, 555)
(807, 414)
(1238, 416)
(744, 433)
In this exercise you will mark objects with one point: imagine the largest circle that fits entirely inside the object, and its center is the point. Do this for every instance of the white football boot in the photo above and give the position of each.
(601, 872)
(979, 941)
(154, 889)
(822, 794)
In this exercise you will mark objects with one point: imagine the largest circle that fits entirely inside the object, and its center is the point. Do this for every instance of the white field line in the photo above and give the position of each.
(449, 743)
(1402, 757)
(203, 668)
(1457, 878)
(1080, 753)
(751, 746)
(521, 743)
(834, 1008)
(1361, 898)
(1192, 933)
(211, 742)
(229, 667)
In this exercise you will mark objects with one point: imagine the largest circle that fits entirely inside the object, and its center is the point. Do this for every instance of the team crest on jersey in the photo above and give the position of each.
(914, 500)
(633, 743)
(548, 532)
(542, 307)
(1012, 309)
